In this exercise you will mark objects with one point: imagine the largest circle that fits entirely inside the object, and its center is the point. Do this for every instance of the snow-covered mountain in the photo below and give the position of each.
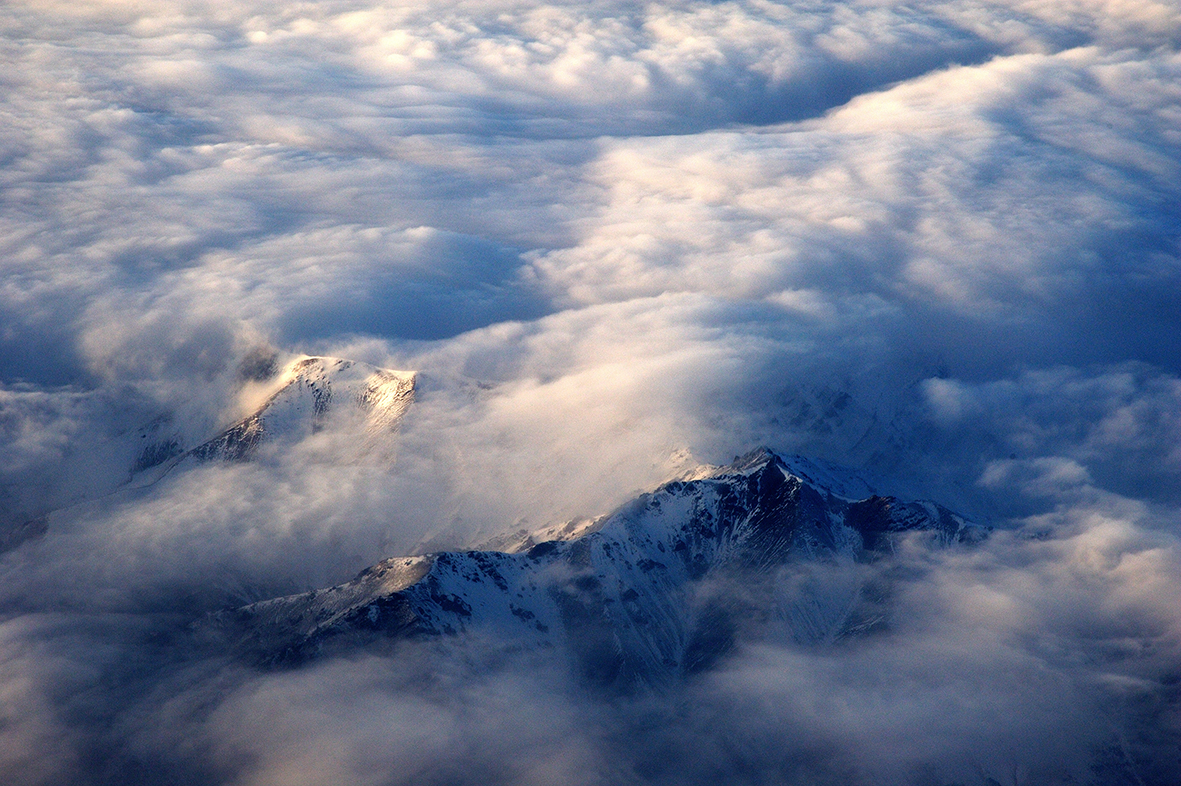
(661, 587)
(330, 409)
(307, 396)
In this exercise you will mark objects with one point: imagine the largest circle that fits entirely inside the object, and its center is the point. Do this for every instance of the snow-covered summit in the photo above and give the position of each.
(307, 396)
(312, 392)
(844, 482)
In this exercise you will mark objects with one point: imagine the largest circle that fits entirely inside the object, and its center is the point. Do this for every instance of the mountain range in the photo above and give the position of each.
(769, 546)
(661, 588)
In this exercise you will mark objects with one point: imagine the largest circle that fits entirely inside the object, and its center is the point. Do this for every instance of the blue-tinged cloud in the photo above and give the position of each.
(937, 241)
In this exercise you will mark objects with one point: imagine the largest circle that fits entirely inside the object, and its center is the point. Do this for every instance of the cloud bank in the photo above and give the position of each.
(937, 241)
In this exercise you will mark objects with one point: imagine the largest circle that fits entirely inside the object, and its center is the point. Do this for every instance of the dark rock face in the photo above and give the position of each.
(234, 444)
(156, 454)
(662, 587)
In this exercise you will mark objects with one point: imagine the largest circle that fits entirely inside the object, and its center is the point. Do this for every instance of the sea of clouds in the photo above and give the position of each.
(937, 241)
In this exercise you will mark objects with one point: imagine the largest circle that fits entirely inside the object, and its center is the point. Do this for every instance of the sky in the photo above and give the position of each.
(937, 241)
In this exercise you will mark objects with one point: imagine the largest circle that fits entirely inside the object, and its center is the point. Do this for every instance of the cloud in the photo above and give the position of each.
(937, 241)
(1036, 655)
(965, 213)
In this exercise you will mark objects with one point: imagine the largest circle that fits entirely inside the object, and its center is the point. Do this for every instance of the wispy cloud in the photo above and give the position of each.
(936, 240)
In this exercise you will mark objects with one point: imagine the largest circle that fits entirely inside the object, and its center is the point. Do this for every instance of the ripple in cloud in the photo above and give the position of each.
(597, 246)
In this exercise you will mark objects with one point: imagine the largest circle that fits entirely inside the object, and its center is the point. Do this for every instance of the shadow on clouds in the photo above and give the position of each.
(938, 242)
(449, 285)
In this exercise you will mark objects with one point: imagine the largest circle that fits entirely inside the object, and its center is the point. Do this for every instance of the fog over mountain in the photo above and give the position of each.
(290, 289)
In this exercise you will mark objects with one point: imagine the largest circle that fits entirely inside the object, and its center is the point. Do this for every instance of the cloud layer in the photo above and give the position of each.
(937, 241)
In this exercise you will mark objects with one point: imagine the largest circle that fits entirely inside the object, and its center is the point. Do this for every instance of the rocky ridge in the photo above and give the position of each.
(307, 396)
(660, 588)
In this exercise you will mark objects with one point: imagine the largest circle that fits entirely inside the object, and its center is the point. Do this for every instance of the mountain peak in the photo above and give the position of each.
(306, 396)
(832, 479)
(663, 586)
(755, 459)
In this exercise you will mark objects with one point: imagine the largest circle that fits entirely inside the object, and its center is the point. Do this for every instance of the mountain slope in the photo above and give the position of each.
(309, 395)
(662, 587)
(351, 409)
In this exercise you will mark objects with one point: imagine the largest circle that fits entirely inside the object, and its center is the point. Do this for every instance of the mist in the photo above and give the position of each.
(936, 242)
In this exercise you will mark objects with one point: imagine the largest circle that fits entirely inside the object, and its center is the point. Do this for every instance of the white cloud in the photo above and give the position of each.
(938, 240)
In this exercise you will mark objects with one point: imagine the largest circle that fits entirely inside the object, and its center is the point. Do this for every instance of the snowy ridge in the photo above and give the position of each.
(660, 588)
(312, 392)
(309, 395)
